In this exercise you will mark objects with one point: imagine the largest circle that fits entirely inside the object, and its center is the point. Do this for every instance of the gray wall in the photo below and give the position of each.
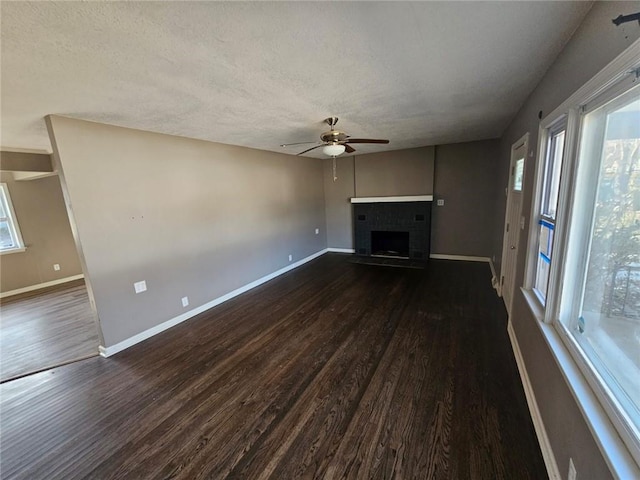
(398, 172)
(466, 178)
(192, 218)
(464, 175)
(337, 202)
(596, 43)
(43, 221)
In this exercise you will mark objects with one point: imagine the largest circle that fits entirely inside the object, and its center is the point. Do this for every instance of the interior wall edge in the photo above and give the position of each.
(57, 166)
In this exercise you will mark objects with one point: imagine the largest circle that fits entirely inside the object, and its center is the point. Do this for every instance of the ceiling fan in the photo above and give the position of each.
(334, 142)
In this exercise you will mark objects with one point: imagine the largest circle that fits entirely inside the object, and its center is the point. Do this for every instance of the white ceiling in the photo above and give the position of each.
(265, 73)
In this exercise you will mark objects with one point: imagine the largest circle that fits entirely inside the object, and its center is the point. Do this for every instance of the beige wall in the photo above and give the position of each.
(399, 172)
(43, 221)
(466, 179)
(594, 44)
(25, 162)
(190, 217)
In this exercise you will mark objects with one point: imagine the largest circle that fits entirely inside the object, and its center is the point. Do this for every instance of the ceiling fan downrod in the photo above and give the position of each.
(331, 121)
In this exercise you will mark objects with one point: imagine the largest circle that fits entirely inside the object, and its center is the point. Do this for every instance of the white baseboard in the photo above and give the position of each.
(493, 269)
(118, 347)
(541, 433)
(466, 258)
(495, 281)
(341, 250)
(41, 285)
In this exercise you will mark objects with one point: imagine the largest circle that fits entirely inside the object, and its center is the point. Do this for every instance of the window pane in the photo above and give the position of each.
(552, 174)
(9, 231)
(518, 175)
(6, 239)
(550, 187)
(554, 181)
(542, 278)
(544, 259)
(608, 324)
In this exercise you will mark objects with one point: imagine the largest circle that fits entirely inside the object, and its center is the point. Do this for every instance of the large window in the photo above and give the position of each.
(600, 303)
(584, 252)
(10, 237)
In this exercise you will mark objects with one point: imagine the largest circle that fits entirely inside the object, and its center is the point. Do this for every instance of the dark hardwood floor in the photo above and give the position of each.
(46, 328)
(334, 370)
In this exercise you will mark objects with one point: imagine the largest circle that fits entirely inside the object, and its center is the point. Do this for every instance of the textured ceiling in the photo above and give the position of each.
(261, 74)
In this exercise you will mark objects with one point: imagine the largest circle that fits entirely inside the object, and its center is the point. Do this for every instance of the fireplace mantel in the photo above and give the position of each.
(405, 198)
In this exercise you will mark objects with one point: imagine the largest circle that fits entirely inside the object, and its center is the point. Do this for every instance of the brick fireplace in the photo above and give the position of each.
(393, 226)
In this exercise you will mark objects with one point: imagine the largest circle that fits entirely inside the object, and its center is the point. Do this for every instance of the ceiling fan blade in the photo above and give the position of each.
(366, 140)
(312, 148)
(348, 148)
(299, 143)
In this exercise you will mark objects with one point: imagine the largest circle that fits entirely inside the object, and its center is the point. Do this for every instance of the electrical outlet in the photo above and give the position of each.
(572, 475)
(56, 267)
(290, 257)
(185, 301)
(140, 287)
(440, 202)
(317, 231)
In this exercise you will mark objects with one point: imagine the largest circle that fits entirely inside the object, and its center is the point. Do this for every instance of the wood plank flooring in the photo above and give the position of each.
(46, 328)
(334, 370)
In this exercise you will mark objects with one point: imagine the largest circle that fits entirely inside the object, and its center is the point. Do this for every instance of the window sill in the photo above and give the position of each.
(614, 451)
(534, 304)
(13, 250)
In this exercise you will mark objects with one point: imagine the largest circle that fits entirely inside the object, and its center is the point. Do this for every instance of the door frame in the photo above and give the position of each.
(524, 140)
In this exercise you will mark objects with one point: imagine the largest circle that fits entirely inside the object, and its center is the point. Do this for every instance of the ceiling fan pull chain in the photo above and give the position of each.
(335, 173)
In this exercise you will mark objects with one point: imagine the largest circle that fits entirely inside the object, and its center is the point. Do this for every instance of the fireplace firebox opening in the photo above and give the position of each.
(390, 244)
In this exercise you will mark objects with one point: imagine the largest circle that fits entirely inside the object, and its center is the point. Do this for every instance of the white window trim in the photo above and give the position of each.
(619, 448)
(14, 223)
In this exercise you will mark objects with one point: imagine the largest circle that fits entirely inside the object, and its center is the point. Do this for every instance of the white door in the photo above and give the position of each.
(512, 220)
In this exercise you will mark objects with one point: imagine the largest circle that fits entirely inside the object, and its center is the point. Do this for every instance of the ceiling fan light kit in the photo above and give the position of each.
(334, 149)
(334, 142)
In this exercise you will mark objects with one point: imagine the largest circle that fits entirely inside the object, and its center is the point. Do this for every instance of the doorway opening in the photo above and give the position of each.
(48, 319)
